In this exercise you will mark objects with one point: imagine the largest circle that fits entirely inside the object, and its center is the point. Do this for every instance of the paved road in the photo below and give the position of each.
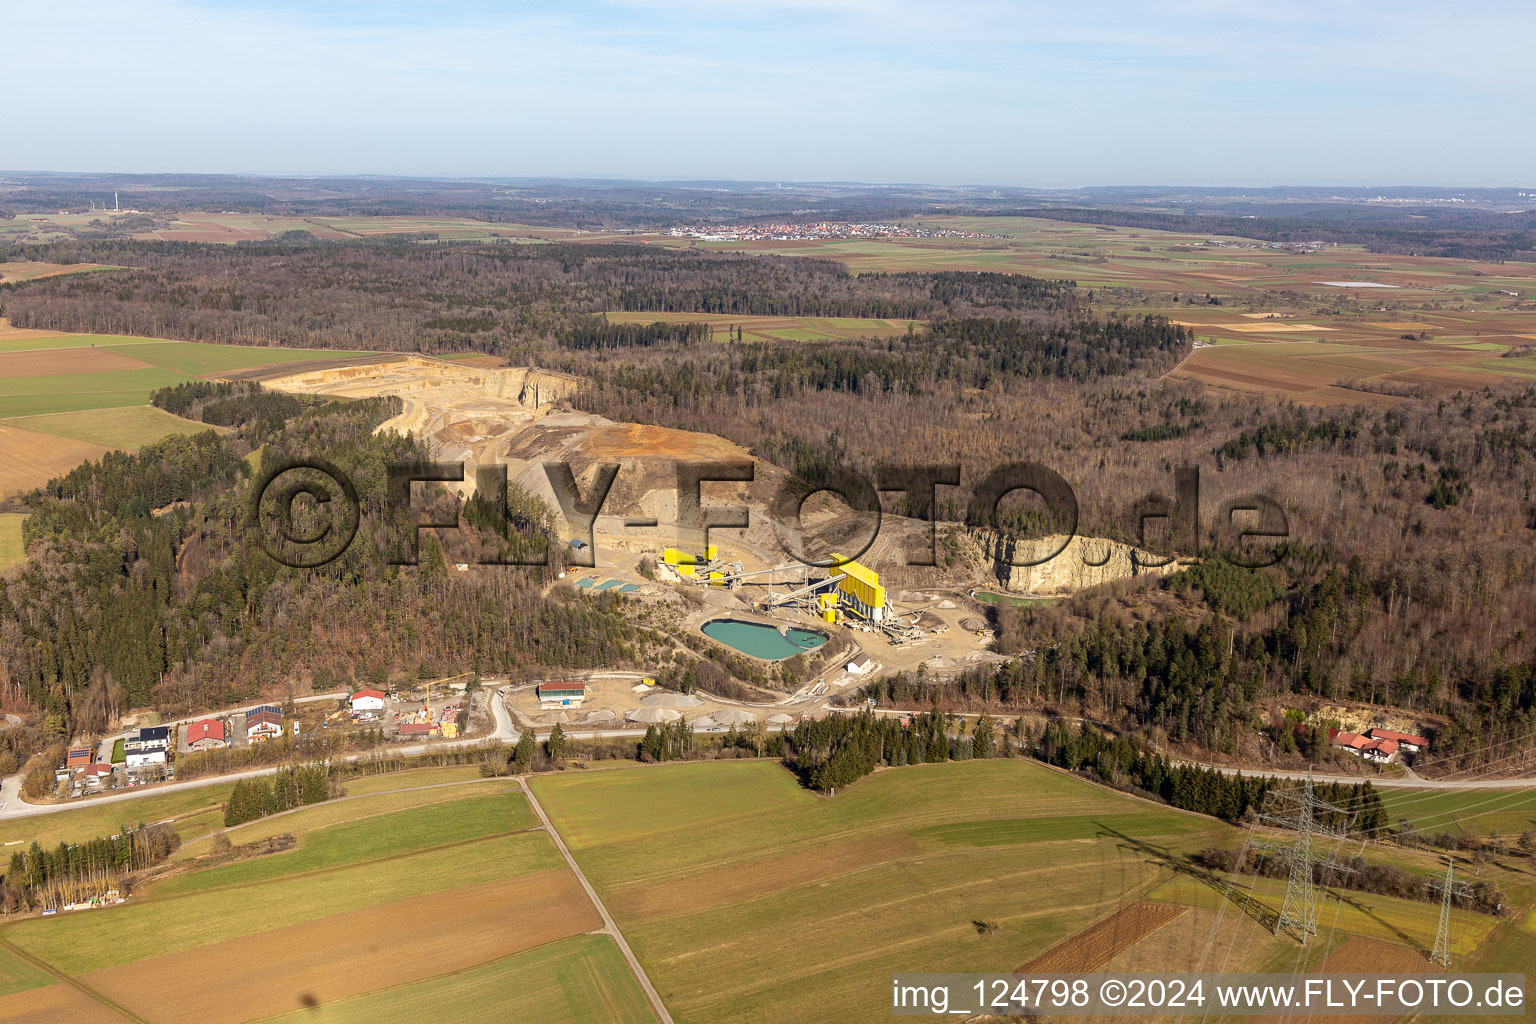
(12, 806)
(1413, 782)
(608, 923)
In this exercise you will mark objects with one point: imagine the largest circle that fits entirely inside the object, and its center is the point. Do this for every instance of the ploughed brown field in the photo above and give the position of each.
(349, 954)
(28, 458)
(54, 1004)
(60, 361)
(1095, 946)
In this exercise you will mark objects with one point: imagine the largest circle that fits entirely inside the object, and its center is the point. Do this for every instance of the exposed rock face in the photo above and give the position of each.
(467, 413)
(511, 416)
(1084, 562)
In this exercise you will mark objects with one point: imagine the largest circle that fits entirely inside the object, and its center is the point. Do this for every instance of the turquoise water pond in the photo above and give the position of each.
(762, 641)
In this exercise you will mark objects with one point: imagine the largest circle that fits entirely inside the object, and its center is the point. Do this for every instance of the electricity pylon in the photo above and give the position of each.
(1448, 889)
(1299, 812)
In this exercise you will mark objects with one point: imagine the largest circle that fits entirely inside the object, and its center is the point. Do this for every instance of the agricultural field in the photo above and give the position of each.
(381, 905)
(580, 980)
(749, 898)
(125, 427)
(258, 227)
(11, 547)
(1297, 324)
(15, 272)
(1102, 256)
(778, 328)
(1509, 812)
(29, 458)
(1379, 917)
(67, 398)
(1330, 358)
(100, 818)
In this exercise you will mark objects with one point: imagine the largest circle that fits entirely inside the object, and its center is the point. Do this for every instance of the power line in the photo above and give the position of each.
(1448, 889)
(1303, 813)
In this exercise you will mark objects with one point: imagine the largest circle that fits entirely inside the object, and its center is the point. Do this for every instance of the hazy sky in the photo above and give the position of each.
(1071, 92)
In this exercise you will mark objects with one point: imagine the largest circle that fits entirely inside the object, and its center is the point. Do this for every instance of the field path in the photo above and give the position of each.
(608, 923)
(73, 983)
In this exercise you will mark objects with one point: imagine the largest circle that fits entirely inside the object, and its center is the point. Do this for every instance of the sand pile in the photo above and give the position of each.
(653, 716)
(667, 699)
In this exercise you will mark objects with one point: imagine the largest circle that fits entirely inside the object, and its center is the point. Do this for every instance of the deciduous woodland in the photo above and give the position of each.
(1409, 577)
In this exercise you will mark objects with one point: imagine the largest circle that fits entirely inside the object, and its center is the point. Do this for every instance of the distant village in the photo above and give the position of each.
(815, 232)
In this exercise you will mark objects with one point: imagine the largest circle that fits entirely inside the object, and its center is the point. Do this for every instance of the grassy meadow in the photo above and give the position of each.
(749, 898)
(12, 550)
(380, 902)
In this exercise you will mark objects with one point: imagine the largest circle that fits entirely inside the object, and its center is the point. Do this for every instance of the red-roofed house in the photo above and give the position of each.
(1361, 746)
(1380, 750)
(79, 757)
(1350, 741)
(206, 735)
(415, 729)
(1413, 744)
(368, 700)
(96, 775)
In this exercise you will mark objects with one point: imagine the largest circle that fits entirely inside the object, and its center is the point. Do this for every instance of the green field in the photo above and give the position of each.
(198, 360)
(440, 899)
(123, 427)
(395, 792)
(82, 943)
(748, 898)
(445, 821)
(73, 341)
(170, 362)
(95, 818)
(17, 975)
(105, 399)
(1483, 812)
(580, 980)
(11, 548)
(1378, 917)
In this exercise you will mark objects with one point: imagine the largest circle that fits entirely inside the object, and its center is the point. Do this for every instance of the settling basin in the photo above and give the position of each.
(760, 641)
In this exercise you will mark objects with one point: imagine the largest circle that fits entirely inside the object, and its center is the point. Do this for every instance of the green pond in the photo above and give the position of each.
(622, 587)
(763, 641)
